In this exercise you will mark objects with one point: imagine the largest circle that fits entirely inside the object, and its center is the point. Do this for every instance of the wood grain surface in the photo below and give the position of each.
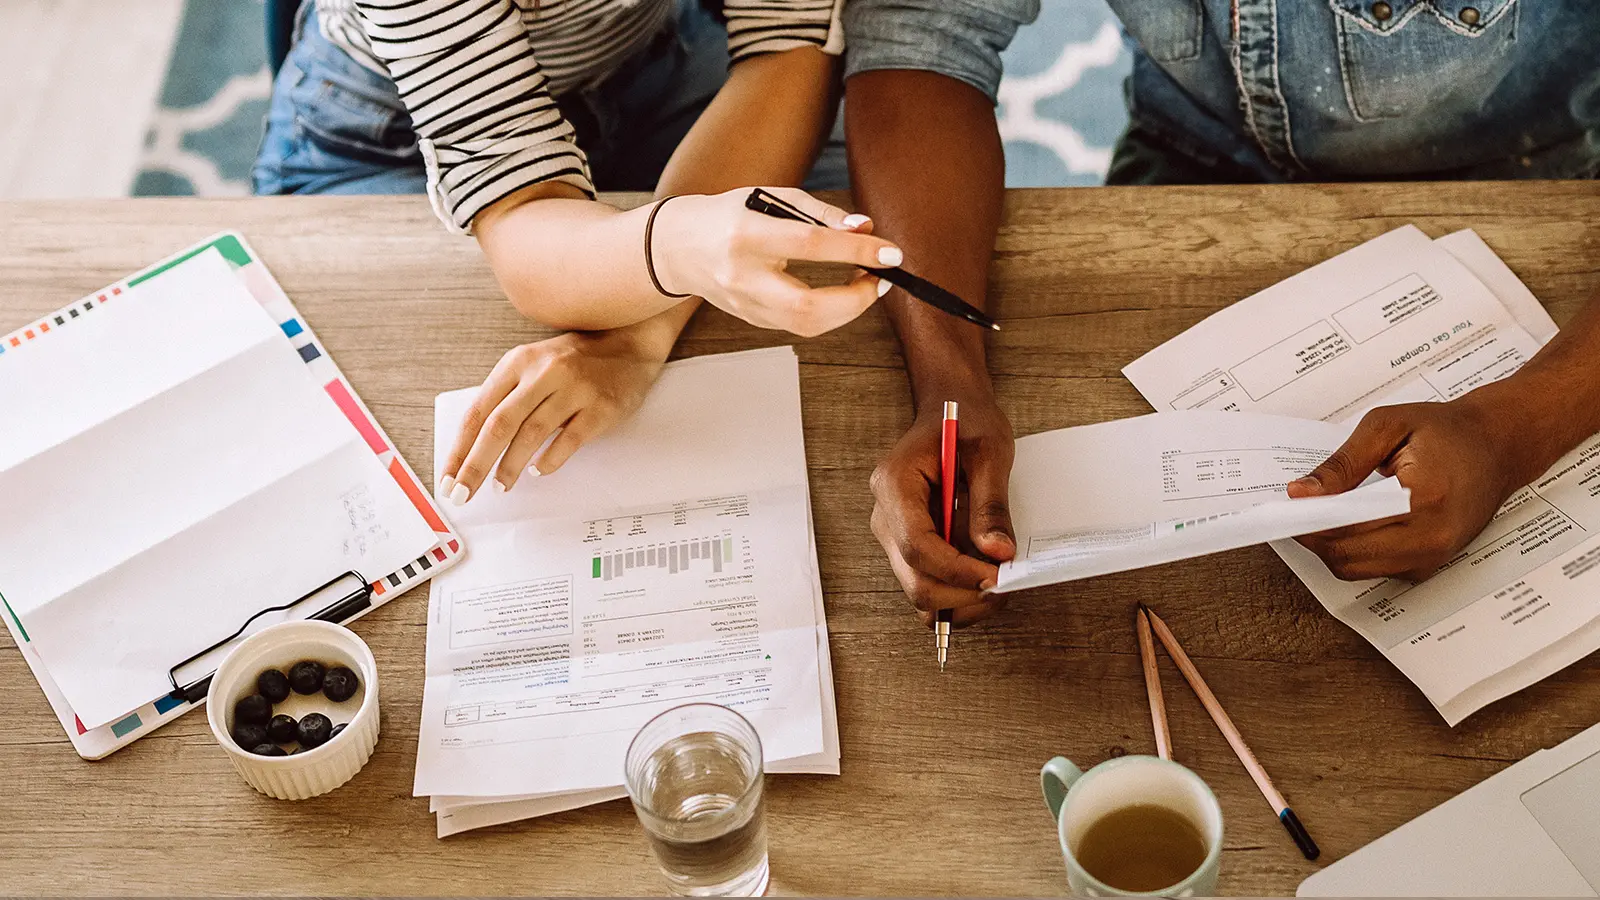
(939, 793)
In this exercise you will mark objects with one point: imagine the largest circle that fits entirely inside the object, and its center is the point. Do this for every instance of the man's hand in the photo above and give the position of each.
(936, 575)
(1460, 461)
(575, 387)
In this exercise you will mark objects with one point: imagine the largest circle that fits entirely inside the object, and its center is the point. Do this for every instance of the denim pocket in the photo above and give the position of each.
(1167, 30)
(357, 114)
(1405, 57)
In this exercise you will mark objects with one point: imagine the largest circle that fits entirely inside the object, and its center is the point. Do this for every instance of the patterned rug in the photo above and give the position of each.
(1060, 104)
(1061, 107)
(204, 132)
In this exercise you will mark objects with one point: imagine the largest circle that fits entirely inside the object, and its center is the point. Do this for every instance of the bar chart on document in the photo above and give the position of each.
(688, 552)
(651, 544)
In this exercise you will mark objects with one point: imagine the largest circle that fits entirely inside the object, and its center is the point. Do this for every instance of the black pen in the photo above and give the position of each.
(937, 297)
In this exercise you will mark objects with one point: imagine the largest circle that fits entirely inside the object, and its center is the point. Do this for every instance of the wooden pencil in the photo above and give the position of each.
(1225, 724)
(1152, 684)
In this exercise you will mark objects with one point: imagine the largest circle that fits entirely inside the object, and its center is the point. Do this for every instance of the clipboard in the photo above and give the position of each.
(359, 595)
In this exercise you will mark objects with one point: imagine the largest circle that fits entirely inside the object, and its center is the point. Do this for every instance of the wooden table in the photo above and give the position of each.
(939, 793)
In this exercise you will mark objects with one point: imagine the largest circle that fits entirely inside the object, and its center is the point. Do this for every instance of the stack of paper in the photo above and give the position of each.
(670, 562)
(170, 470)
(1404, 319)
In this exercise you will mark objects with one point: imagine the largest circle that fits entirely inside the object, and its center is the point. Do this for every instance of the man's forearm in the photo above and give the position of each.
(926, 164)
(1553, 403)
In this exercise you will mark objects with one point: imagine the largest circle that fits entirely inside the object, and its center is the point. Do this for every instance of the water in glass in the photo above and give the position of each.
(698, 795)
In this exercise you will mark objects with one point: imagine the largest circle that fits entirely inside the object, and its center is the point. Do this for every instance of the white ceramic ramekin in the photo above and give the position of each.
(309, 772)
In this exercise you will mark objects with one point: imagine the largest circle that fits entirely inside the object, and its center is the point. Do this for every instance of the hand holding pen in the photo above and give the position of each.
(710, 246)
(769, 204)
(935, 573)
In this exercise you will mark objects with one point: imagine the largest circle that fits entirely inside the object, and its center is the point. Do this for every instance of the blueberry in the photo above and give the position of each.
(282, 729)
(315, 729)
(268, 750)
(306, 676)
(340, 684)
(252, 710)
(247, 734)
(336, 729)
(273, 685)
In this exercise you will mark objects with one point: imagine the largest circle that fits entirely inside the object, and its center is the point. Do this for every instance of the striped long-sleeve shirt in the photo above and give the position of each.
(480, 77)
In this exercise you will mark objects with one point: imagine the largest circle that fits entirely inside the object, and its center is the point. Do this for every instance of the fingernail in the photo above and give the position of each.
(855, 220)
(890, 256)
(986, 584)
(446, 485)
(883, 286)
(1000, 536)
(500, 486)
(534, 470)
(1310, 482)
(459, 494)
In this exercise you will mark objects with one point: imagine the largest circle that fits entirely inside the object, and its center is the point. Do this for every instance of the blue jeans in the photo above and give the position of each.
(337, 127)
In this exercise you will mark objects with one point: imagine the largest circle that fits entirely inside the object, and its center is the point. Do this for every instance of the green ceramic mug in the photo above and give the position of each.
(1079, 799)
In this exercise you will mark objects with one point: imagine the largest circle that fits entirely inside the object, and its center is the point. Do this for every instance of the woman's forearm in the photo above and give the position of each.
(747, 138)
(577, 264)
(657, 335)
(763, 128)
(751, 134)
(570, 262)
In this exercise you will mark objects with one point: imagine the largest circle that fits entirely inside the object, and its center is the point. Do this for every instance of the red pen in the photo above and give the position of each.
(947, 491)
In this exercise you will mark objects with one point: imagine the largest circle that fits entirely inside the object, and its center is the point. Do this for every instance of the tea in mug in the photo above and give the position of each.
(1141, 848)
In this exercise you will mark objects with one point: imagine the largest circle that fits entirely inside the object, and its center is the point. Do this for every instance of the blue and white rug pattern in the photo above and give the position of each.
(1061, 107)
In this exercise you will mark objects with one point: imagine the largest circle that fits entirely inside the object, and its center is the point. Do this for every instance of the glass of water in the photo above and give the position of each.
(694, 774)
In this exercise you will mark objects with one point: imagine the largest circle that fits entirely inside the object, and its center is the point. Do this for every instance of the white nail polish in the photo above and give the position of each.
(890, 256)
(446, 485)
(534, 470)
(854, 221)
(883, 286)
(500, 486)
(459, 495)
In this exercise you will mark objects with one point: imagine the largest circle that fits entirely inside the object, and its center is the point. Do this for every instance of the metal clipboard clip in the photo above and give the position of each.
(336, 612)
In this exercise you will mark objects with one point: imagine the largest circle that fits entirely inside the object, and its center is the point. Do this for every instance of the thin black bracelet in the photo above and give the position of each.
(649, 259)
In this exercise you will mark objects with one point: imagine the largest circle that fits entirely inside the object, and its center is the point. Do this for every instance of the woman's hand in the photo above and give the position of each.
(711, 246)
(579, 384)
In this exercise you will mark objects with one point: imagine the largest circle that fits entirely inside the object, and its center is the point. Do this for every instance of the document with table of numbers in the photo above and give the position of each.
(1404, 319)
(669, 562)
(1155, 489)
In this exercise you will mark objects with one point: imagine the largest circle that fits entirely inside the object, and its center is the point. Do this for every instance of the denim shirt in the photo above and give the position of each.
(958, 38)
(1313, 89)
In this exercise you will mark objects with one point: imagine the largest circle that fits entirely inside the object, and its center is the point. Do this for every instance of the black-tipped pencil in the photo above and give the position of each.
(1290, 821)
